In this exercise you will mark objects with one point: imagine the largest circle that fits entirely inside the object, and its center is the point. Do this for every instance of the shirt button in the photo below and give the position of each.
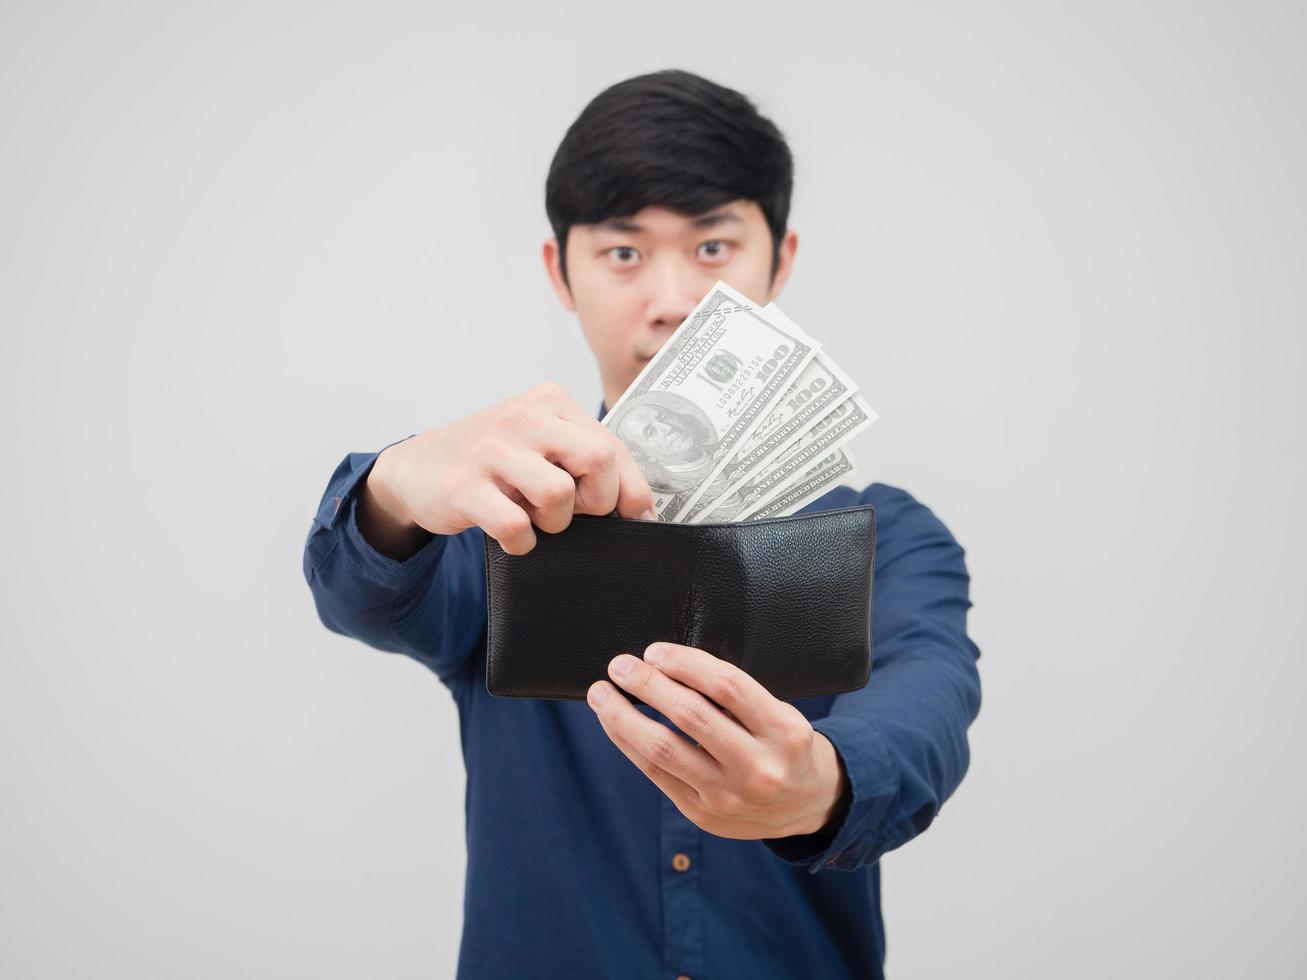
(682, 977)
(680, 862)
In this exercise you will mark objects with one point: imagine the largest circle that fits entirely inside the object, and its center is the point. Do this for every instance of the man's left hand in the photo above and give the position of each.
(758, 770)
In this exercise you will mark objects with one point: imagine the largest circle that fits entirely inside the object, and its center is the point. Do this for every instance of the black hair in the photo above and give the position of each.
(669, 138)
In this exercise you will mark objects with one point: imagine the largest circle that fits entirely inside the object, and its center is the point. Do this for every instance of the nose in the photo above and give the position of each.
(674, 289)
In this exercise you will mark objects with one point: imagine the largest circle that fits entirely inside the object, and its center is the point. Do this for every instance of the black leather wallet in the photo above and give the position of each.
(786, 599)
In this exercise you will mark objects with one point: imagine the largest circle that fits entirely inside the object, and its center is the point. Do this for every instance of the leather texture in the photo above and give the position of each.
(787, 599)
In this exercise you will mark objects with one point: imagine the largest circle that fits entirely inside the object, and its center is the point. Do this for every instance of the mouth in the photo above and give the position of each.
(644, 358)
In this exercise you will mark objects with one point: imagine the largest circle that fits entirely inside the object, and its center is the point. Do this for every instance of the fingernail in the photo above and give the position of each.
(623, 664)
(654, 655)
(597, 694)
(649, 515)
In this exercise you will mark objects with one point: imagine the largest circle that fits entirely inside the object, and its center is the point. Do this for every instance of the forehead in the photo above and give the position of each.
(660, 221)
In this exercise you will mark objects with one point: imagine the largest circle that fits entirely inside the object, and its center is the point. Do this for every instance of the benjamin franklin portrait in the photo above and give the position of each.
(671, 438)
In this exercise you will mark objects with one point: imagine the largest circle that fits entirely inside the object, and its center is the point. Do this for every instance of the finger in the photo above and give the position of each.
(502, 519)
(564, 405)
(590, 458)
(634, 497)
(655, 741)
(724, 739)
(752, 705)
(678, 791)
(548, 489)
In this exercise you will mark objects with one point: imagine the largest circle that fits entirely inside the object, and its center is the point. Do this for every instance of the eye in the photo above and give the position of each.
(623, 254)
(714, 250)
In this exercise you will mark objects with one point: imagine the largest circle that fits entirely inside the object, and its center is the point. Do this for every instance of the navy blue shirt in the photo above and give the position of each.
(570, 848)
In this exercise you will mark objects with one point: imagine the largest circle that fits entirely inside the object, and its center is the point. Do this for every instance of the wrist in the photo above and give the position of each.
(834, 794)
(379, 490)
(382, 519)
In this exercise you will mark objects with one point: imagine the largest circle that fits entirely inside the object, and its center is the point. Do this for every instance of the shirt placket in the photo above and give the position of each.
(679, 854)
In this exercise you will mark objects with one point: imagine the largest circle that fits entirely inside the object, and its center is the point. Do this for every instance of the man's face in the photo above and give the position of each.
(631, 281)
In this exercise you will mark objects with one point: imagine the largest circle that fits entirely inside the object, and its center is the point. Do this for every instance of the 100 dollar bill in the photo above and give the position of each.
(704, 393)
(820, 386)
(813, 483)
(848, 419)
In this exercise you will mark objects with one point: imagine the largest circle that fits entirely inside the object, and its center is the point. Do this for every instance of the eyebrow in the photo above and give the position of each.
(710, 220)
(714, 218)
(619, 224)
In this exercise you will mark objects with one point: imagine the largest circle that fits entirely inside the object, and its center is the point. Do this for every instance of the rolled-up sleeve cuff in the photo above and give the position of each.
(336, 513)
(874, 790)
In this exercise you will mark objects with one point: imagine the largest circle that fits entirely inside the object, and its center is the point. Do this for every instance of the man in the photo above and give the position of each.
(602, 841)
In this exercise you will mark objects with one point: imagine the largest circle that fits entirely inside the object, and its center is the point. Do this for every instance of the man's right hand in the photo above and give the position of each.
(534, 459)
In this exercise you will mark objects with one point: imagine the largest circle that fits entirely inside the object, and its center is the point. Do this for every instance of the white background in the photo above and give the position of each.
(1061, 246)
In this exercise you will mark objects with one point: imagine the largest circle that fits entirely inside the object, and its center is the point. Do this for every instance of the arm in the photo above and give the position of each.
(396, 554)
(430, 605)
(902, 739)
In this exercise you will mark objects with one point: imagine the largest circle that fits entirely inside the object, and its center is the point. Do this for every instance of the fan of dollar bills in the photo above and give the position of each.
(739, 416)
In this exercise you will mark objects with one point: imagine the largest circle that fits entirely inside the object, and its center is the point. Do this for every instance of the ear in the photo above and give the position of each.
(784, 262)
(553, 257)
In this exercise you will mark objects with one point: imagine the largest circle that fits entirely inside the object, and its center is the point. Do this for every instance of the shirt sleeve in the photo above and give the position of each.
(430, 606)
(903, 737)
